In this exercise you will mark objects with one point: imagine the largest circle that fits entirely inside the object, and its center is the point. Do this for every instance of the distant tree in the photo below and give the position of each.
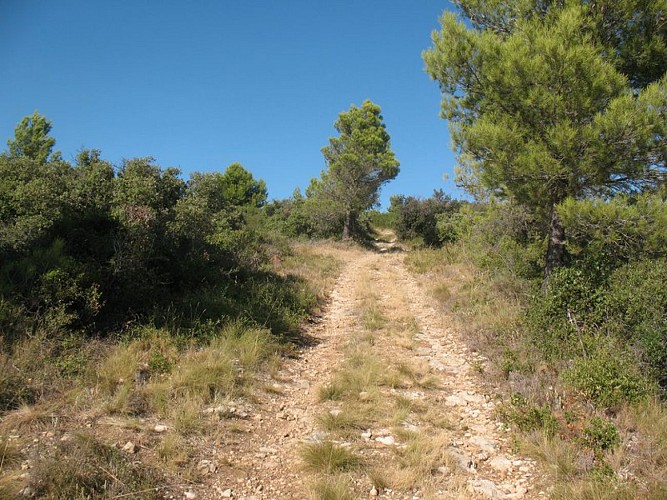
(359, 161)
(31, 139)
(540, 112)
(240, 188)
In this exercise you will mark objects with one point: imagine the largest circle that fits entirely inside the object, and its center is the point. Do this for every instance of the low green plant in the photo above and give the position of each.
(526, 416)
(600, 435)
(608, 376)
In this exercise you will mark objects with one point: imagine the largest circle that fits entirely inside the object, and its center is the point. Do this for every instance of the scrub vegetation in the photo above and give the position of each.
(133, 300)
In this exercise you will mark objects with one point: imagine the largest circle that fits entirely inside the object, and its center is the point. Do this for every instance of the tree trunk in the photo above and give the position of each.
(556, 248)
(347, 225)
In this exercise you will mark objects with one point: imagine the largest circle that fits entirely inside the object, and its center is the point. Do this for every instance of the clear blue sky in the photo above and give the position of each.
(199, 85)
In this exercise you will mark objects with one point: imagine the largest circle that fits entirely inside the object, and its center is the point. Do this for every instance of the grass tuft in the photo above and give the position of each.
(328, 457)
(85, 468)
(332, 488)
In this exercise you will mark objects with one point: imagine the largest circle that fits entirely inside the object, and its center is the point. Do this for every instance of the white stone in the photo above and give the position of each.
(486, 489)
(482, 443)
(500, 463)
(386, 440)
(130, 447)
(455, 401)
(160, 428)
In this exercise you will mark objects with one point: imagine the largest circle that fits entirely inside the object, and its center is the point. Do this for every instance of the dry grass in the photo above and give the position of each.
(428, 260)
(373, 319)
(359, 377)
(419, 462)
(332, 488)
(489, 309)
(318, 264)
(85, 468)
(329, 458)
(348, 419)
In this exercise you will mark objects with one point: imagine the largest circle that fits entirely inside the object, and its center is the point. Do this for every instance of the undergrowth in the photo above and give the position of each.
(576, 365)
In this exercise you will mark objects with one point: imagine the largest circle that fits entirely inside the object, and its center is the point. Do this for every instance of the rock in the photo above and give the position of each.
(386, 440)
(483, 443)
(455, 401)
(465, 462)
(130, 447)
(317, 437)
(190, 495)
(374, 492)
(227, 493)
(28, 492)
(205, 467)
(364, 396)
(473, 398)
(334, 412)
(500, 463)
(486, 489)
(367, 435)
(160, 428)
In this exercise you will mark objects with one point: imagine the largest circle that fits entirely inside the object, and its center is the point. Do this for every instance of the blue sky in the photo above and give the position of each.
(199, 85)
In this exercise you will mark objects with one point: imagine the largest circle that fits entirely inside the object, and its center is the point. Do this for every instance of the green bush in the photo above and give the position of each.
(609, 376)
(601, 435)
(528, 417)
(417, 218)
(636, 308)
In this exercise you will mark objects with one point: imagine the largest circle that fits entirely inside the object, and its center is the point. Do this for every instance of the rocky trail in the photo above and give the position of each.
(421, 426)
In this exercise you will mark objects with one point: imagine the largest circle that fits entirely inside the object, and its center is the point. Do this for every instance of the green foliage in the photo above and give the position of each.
(499, 236)
(608, 376)
(86, 248)
(382, 220)
(538, 110)
(417, 218)
(528, 417)
(359, 161)
(636, 308)
(580, 309)
(609, 233)
(601, 435)
(31, 139)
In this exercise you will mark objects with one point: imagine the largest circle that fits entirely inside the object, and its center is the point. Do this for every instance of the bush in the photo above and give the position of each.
(609, 376)
(601, 435)
(417, 219)
(527, 416)
(636, 308)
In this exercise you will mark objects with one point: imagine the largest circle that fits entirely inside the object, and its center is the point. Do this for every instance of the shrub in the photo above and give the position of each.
(601, 435)
(416, 218)
(636, 308)
(527, 416)
(609, 376)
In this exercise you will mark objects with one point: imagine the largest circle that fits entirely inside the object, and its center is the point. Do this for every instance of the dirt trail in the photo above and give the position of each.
(258, 454)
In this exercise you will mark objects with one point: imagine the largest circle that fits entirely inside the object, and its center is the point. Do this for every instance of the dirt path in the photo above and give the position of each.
(420, 425)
